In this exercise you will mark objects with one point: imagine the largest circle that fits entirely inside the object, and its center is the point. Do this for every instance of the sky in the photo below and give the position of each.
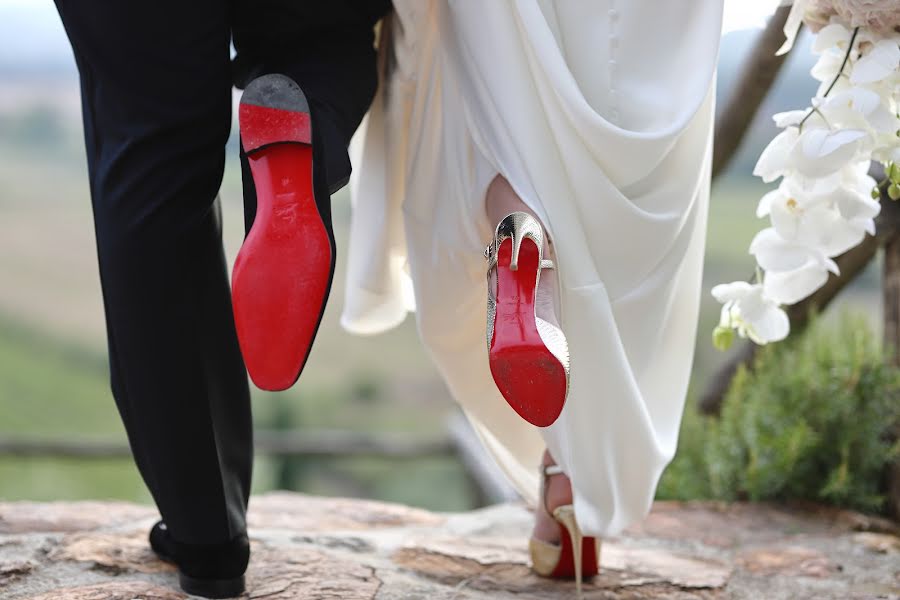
(31, 34)
(742, 14)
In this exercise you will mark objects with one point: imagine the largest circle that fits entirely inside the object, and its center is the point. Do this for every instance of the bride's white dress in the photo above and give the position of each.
(599, 113)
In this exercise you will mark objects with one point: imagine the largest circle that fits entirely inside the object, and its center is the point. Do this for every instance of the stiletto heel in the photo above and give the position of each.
(565, 516)
(528, 356)
(577, 556)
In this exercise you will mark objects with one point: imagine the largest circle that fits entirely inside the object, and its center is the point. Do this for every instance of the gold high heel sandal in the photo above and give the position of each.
(576, 556)
(528, 356)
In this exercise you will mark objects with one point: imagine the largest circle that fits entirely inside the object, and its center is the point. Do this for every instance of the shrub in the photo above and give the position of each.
(812, 419)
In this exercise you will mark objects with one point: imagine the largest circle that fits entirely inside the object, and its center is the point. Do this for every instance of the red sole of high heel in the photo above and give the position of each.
(531, 379)
(283, 270)
(565, 568)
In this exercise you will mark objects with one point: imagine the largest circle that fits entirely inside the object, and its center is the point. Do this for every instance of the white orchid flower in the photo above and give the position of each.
(823, 205)
(832, 36)
(816, 152)
(789, 287)
(860, 108)
(776, 254)
(831, 215)
(892, 154)
(827, 67)
(791, 117)
(792, 25)
(853, 197)
(821, 152)
(824, 229)
(786, 206)
(863, 109)
(748, 310)
(879, 63)
(774, 161)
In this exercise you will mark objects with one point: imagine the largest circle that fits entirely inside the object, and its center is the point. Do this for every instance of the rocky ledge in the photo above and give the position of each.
(323, 548)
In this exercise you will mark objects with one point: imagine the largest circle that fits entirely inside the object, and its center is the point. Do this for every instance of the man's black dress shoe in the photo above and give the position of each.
(208, 570)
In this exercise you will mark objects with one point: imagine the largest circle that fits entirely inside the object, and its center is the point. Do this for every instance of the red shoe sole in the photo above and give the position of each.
(565, 568)
(529, 376)
(283, 271)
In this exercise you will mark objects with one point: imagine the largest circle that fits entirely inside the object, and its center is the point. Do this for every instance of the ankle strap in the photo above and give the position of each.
(547, 471)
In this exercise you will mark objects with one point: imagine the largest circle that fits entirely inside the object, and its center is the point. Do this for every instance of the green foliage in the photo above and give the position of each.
(811, 420)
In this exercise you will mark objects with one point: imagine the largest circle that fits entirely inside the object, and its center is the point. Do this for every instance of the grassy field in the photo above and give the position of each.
(53, 375)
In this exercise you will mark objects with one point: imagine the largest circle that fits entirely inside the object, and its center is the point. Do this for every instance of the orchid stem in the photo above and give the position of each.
(843, 64)
(834, 81)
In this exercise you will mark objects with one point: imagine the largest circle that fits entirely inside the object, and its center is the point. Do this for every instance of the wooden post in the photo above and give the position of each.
(758, 74)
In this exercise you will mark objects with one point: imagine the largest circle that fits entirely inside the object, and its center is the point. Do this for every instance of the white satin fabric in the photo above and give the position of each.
(599, 113)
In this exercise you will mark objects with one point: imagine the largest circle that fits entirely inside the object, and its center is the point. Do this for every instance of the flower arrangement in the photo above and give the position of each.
(826, 202)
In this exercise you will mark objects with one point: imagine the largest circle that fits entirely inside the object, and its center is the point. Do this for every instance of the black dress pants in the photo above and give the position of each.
(156, 83)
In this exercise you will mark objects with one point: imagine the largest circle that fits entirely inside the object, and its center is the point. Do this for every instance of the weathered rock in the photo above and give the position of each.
(317, 548)
(10, 571)
(113, 553)
(114, 590)
(789, 560)
(664, 566)
(879, 542)
(312, 514)
(31, 517)
(299, 574)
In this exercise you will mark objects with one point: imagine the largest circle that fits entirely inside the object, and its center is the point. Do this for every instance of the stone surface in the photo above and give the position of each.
(114, 590)
(790, 560)
(11, 571)
(326, 548)
(109, 552)
(280, 510)
(30, 517)
(287, 574)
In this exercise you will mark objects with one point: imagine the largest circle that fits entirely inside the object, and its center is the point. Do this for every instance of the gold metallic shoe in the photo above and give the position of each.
(577, 556)
(528, 356)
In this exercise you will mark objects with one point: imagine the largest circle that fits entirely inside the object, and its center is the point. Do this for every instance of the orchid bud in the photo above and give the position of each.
(723, 338)
(893, 172)
(894, 191)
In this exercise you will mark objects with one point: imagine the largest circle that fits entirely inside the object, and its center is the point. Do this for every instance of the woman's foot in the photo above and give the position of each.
(558, 493)
(527, 351)
(501, 200)
(558, 547)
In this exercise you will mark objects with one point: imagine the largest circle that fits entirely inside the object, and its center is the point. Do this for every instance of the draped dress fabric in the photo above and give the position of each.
(600, 116)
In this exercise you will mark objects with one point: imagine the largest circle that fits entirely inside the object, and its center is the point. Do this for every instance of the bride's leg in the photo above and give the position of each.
(559, 493)
(501, 200)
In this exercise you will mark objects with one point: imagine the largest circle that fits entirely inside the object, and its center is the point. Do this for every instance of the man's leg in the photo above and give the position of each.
(328, 49)
(156, 91)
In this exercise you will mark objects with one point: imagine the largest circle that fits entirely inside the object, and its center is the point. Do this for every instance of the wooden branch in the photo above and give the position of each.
(321, 444)
(759, 73)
